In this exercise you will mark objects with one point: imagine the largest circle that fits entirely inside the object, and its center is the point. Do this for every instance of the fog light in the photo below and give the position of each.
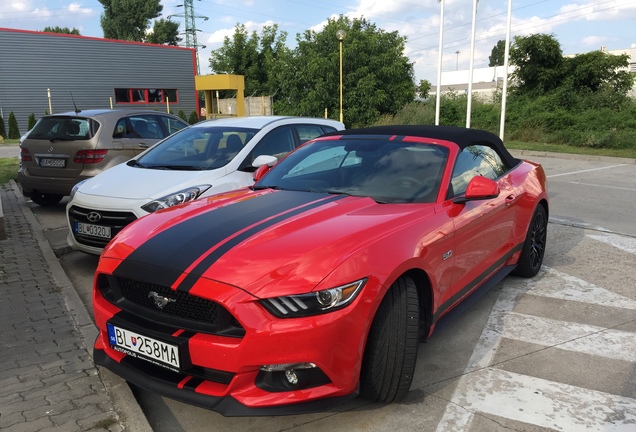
(291, 376)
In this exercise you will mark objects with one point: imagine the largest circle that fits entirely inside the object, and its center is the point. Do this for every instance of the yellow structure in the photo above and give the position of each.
(209, 83)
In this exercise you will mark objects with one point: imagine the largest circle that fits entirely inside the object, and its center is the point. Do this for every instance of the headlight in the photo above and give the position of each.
(313, 303)
(76, 188)
(180, 197)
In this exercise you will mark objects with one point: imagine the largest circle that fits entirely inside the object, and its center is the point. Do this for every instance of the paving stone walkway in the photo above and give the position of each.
(48, 381)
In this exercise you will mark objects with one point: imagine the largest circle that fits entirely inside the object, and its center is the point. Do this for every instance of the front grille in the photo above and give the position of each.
(180, 308)
(184, 306)
(115, 220)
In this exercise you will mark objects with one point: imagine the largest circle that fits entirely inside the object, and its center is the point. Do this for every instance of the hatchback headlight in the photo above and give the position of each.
(176, 198)
(76, 188)
(313, 303)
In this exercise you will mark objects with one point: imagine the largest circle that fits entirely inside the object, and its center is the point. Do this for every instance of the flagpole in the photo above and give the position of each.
(472, 64)
(439, 62)
(504, 91)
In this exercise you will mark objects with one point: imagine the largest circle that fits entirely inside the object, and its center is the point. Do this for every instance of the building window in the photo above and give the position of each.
(145, 96)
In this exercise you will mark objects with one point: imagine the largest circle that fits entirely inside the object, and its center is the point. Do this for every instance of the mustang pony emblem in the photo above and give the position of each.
(160, 301)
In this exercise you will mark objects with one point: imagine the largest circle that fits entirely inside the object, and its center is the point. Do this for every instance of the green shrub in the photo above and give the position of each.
(194, 118)
(14, 129)
(3, 129)
(31, 121)
(182, 115)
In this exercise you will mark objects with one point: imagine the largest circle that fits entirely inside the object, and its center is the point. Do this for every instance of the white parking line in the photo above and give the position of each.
(535, 401)
(581, 338)
(559, 285)
(628, 244)
(587, 170)
(539, 402)
(604, 186)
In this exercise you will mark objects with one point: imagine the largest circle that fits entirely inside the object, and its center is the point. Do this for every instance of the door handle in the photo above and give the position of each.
(143, 145)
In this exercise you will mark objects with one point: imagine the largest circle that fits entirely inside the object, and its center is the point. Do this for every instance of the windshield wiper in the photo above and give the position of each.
(134, 162)
(174, 167)
(266, 187)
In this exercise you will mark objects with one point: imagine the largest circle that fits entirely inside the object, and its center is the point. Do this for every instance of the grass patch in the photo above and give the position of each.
(10, 141)
(8, 169)
(562, 148)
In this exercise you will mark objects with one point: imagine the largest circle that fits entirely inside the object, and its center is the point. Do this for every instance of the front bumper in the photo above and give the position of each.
(222, 372)
(225, 405)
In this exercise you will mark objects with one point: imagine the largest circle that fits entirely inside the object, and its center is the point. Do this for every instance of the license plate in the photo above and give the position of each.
(92, 230)
(54, 163)
(144, 347)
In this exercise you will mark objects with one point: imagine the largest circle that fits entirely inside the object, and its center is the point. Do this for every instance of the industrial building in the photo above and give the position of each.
(49, 73)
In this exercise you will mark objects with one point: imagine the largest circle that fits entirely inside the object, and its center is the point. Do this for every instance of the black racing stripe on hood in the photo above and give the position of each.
(165, 256)
(189, 281)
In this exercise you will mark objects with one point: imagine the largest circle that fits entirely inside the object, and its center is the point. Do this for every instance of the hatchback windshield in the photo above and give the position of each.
(387, 171)
(197, 148)
(64, 129)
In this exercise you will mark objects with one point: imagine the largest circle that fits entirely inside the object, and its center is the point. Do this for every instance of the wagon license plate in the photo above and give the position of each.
(92, 230)
(144, 347)
(52, 163)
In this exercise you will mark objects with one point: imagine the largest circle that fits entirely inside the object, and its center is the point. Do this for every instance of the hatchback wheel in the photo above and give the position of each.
(391, 351)
(46, 199)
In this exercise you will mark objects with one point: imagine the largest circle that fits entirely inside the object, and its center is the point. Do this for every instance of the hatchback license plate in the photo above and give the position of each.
(144, 347)
(92, 230)
(54, 163)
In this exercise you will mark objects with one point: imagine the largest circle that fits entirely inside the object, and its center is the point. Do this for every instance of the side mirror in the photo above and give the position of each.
(479, 188)
(264, 160)
(262, 164)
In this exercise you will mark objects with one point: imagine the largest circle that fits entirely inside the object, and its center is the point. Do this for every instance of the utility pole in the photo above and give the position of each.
(191, 27)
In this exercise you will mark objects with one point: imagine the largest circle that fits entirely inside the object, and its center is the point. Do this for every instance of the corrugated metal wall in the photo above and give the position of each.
(89, 69)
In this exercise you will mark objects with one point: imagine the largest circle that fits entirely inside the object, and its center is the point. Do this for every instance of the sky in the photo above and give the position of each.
(579, 25)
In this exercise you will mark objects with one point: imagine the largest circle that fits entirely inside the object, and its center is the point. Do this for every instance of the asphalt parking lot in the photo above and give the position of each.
(556, 352)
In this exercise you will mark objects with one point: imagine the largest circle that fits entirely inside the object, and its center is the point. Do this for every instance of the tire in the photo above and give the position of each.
(534, 247)
(46, 200)
(391, 351)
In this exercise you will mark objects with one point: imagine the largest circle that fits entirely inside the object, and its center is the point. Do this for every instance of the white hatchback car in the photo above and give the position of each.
(204, 159)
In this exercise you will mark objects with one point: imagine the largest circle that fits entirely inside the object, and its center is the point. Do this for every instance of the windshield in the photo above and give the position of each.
(64, 129)
(197, 148)
(387, 171)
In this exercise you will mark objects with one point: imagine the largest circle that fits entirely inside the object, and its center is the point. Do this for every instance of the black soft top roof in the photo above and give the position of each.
(463, 137)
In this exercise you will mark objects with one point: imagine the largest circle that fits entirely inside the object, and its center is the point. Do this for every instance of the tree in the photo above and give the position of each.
(497, 54)
(64, 30)
(423, 88)
(597, 70)
(14, 129)
(128, 19)
(31, 122)
(164, 32)
(377, 76)
(539, 62)
(252, 56)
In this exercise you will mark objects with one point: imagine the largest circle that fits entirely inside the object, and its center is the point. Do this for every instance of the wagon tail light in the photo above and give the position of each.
(89, 156)
(25, 155)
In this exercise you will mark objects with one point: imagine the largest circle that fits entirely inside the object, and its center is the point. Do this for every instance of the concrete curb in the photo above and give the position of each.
(3, 231)
(609, 159)
(127, 407)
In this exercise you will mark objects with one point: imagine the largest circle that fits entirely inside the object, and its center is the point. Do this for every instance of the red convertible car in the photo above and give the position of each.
(316, 284)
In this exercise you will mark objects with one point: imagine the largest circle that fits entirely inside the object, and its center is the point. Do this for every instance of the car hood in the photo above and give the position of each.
(126, 182)
(268, 243)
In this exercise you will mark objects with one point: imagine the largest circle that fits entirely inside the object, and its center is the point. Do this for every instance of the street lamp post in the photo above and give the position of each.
(457, 62)
(341, 34)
